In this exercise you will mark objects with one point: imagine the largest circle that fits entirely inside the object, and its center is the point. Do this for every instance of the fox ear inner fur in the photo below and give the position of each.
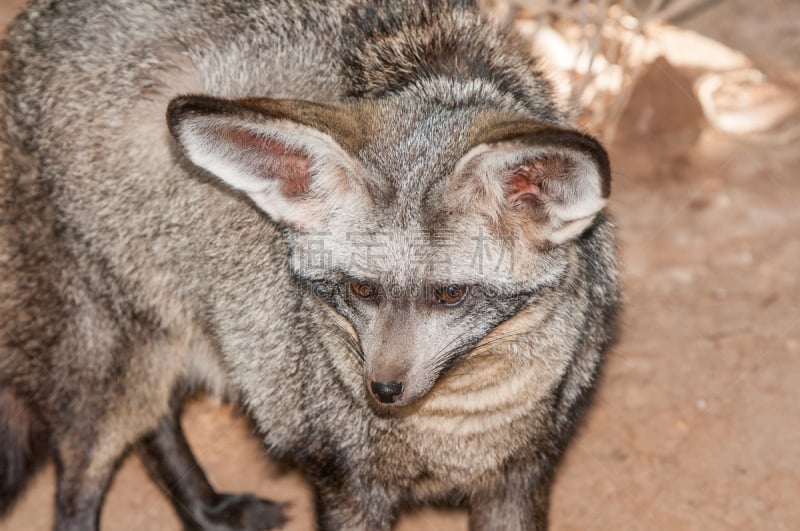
(282, 153)
(559, 178)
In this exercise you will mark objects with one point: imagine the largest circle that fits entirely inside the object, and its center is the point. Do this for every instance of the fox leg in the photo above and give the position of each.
(334, 513)
(84, 469)
(345, 501)
(169, 460)
(518, 502)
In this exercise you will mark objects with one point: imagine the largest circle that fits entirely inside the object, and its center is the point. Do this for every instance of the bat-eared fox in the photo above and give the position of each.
(366, 222)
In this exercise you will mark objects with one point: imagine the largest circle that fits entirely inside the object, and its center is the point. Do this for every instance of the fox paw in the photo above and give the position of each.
(243, 512)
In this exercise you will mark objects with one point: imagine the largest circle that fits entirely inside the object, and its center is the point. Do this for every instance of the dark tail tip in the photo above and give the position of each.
(23, 443)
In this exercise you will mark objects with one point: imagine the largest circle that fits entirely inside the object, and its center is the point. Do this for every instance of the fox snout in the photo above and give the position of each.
(397, 391)
(391, 385)
(397, 379)
(387, 393)
(397, 354)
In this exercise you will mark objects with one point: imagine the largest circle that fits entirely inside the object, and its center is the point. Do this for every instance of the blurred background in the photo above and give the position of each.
(696, 425)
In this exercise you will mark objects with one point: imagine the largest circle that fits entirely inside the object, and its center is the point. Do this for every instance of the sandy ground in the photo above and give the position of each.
(697, 422)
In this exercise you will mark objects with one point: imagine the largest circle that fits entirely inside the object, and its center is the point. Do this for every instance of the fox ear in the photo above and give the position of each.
(291, 157)
(557, 178)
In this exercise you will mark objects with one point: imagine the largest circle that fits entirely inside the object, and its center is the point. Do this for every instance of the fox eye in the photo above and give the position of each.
(364, 290)
(451, 295)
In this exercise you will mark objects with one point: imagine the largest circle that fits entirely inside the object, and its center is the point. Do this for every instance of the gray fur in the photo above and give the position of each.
(128, 273)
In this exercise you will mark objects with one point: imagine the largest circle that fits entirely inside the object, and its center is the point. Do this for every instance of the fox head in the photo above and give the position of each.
(425, 227)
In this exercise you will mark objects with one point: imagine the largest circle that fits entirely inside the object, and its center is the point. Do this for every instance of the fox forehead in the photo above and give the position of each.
(413, 256)
(411, 146)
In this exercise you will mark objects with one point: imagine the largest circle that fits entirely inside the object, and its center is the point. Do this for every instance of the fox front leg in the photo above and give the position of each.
(332, 515)
(169, 460)
(517, 502)
(352, 505)
(83, 471)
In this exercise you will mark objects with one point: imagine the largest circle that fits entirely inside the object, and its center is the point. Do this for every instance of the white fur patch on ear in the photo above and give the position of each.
(248, 159)
(291, 171)
(564, 184)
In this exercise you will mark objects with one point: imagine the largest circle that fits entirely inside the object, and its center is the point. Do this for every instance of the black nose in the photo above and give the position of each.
(387, 392)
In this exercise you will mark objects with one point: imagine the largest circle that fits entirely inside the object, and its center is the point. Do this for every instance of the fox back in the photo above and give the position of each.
(367, 221)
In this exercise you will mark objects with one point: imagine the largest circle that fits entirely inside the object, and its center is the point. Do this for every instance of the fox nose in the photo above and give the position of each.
(387, 393)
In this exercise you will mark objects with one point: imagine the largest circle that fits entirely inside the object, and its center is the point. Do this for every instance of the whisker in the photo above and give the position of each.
(482, 350)
(444, 352)
(342, 336)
